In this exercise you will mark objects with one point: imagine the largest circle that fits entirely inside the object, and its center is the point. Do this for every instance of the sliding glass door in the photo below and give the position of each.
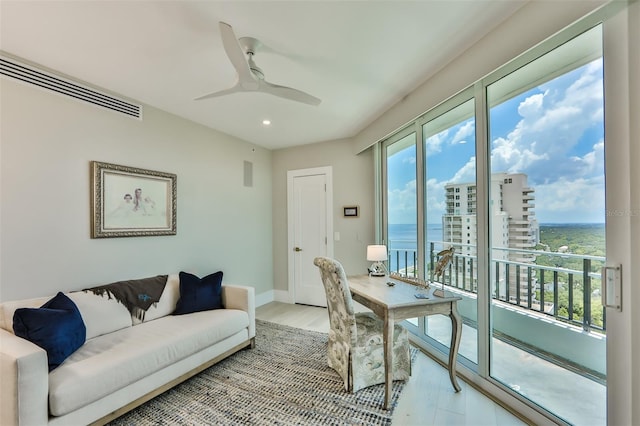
(509, 173)
(401, 203)
(547, 230)
(450, 216)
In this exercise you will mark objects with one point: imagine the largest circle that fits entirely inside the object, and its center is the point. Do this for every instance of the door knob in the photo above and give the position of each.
(297, 249)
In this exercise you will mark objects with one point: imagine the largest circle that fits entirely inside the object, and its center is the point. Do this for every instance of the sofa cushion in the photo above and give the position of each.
(112, 361)
(56, 326)
(199, 294)
(101, 315)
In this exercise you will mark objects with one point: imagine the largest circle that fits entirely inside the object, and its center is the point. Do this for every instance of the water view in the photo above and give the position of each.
(567, 238)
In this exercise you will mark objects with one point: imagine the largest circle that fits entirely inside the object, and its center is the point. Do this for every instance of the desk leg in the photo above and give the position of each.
(388, 357)
(456, 332)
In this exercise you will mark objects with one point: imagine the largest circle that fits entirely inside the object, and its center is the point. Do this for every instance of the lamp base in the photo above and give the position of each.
(377, 270)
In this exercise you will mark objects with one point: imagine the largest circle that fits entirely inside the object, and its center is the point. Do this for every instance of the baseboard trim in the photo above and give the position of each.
(283, 296)
(273, 295)
(264, 298)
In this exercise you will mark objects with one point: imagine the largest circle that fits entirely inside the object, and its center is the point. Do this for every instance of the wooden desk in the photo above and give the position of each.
(398, 302)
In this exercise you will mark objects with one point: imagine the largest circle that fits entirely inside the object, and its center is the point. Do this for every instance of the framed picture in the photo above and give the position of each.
(131, 202)
(351, 211)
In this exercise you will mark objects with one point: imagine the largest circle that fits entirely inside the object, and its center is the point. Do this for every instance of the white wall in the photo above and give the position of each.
(352, 185)
(47, 142)
(530, 25)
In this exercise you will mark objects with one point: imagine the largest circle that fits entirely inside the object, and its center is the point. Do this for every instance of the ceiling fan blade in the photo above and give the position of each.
(237, 57)
(233, 89)
(288, 93)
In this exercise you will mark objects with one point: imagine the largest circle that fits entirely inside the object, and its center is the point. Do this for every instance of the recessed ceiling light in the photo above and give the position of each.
(266, 122)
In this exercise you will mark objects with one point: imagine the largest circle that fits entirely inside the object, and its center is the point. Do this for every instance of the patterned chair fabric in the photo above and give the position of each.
(356, 348)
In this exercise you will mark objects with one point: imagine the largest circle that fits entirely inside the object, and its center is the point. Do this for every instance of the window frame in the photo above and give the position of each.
(480, 375)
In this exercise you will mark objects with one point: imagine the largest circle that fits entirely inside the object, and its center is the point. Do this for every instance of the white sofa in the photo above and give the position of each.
(123, 362)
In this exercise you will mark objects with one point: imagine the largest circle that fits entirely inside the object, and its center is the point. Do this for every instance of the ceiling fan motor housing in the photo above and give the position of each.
(256, 70)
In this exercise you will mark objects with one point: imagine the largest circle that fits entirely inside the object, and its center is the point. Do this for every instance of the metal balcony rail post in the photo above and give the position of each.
(586, 294)
(497, 289)
(472, 277)
(555, 294)
(464, 273)
(570, 297)
(432, 256)
(529, 288)
(518, 284)
(541, 290)
(397, 261)
(507, 282)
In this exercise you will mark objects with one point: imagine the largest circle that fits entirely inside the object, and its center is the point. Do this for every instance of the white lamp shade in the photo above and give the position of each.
(376, 253)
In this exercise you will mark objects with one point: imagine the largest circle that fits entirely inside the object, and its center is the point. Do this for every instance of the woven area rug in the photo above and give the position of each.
(284, 380)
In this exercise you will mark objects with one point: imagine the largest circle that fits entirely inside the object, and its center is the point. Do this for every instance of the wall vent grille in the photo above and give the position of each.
(57, 84)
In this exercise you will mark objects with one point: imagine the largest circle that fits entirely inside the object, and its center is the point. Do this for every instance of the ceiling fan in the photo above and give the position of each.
(250, 76)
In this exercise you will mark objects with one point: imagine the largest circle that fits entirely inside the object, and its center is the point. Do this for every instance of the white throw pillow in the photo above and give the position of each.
(100, 314)
(167, 303)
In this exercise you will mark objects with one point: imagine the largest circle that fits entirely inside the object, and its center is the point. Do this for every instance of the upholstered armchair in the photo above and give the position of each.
(356, 348)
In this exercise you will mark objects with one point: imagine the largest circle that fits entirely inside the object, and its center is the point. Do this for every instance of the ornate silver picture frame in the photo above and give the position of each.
(132, 202)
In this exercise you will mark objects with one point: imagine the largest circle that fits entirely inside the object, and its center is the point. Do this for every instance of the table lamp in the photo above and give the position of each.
(377, 254)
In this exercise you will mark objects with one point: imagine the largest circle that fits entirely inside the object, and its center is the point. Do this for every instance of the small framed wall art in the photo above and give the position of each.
(131, 202)
(351, 211)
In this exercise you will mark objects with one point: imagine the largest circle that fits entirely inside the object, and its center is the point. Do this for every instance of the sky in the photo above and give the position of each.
(553, 133)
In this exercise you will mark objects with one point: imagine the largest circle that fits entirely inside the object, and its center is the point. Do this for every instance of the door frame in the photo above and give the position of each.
(327, 171)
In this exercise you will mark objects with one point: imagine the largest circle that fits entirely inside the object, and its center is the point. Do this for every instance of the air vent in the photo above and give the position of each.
(31, 75)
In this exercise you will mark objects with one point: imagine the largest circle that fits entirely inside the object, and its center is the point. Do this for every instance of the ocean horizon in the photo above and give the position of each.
(402, 236)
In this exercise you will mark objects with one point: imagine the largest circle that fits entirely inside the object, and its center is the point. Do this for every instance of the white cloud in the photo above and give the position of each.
(510, 156)
(433, 144)
(436, 205)
(566, 201)
(532, 106)
(591, 163)
(466, 174)
(551, 125)
(568, 179)
(465, 131)
(402, 204)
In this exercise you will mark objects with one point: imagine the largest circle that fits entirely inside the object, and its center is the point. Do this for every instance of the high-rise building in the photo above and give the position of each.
(514, 229)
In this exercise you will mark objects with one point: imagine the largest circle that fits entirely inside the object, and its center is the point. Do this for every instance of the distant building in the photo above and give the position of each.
(513, 225)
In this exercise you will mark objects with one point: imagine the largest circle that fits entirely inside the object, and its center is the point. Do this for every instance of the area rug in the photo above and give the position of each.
(284, 380)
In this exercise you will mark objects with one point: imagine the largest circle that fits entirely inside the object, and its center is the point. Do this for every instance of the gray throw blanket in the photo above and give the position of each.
(136, 295)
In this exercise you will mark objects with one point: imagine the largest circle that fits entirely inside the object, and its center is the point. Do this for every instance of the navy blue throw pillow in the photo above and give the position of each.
(199, 294)
(57, 327)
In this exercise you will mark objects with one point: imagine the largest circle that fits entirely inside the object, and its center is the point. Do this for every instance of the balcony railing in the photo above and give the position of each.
(569, 294)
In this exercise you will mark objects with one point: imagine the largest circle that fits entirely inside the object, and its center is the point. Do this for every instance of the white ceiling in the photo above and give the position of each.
(359, 57)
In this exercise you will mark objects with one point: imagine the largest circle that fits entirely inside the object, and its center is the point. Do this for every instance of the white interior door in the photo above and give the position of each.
(309, 230)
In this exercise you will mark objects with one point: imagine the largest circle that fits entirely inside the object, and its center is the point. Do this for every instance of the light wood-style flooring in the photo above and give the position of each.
(428, 397)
